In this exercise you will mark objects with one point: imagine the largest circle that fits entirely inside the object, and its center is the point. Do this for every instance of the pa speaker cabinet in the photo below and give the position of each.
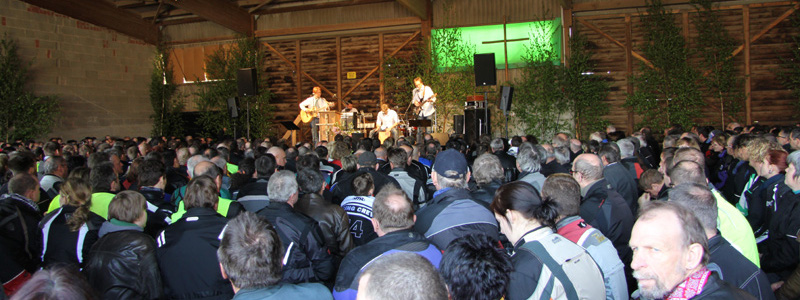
(233, 107)
(477, 122)
(247, 82)
(485, 72)
(506, 95)
(458, 124)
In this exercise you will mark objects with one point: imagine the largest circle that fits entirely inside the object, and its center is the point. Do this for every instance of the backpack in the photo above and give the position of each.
(11, 221)
(570, 265)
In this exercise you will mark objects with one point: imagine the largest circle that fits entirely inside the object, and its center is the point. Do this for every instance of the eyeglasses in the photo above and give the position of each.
(572, 172)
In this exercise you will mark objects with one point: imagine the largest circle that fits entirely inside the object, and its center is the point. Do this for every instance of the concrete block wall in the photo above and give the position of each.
(101, 77)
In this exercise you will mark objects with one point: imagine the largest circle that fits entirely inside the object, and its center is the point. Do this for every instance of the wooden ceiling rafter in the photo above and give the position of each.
(105, 14)
(418, 7)
(257, 7)
(311, 5)
(222, 12)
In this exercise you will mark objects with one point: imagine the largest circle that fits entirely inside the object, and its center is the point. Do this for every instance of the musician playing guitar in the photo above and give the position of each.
(423, 98)
(310, 108)
(387, 122)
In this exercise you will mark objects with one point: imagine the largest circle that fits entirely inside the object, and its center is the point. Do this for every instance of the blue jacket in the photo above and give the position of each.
(356, 261)
(452, 214)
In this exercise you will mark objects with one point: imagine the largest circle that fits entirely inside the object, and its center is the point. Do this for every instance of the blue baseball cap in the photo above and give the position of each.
(451, 164)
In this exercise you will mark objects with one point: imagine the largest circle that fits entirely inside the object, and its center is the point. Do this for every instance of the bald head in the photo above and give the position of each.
(589, 166)
(380, 153)
(689, 154)
(209, 169)
(206, 168)
(687, 172)
(279, 154)
(392, 211)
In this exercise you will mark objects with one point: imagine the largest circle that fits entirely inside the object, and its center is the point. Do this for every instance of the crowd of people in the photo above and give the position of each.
(704, 214)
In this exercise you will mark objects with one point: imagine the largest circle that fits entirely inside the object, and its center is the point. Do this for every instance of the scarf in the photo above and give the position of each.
(692, 286)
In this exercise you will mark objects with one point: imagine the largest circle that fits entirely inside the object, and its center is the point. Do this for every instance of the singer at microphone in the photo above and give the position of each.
(312, 105)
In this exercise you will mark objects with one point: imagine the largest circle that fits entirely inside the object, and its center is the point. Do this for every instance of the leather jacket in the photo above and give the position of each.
(122, 263)
(307, 258)
(332, 220)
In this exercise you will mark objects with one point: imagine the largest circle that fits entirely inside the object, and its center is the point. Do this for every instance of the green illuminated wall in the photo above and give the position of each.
(545, 34)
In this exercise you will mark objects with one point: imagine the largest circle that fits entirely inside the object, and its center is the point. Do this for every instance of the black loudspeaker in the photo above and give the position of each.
(506, 94)
(477, 122)
(458, 124)
(233, 107)
(485, 72)
(357, 136)
(247, 82)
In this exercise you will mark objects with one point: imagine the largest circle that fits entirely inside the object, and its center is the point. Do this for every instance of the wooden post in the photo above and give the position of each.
(685, 16)
(629, 65)
(566, 26)
(747, 87)
(298, 70)
(380, 68)
(299, 80)
(339, 71)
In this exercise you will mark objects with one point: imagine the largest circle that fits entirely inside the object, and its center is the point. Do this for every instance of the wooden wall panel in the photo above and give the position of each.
(360, 55)
(318, 59)
(282, 81)
(771, 103)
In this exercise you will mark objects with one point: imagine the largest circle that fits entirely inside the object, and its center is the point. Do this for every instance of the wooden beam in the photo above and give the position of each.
(105, 14)
(293, 66)
(615, 41)
(298, 70)
(629, 66)
(257, 7)
(413, 36)
(339, 69)
(565, 4)
(766, 29)
(418, 7)
(337, 27)
(222, 12)
(619, 4)
(178, 21)
(731, 5)
(311, 5)
(566, 26)
(380, 64)
(748, 108)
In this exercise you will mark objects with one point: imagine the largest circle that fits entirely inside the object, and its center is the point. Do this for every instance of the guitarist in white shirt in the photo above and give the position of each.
(423, 98)
(387, 121)
(315, 104)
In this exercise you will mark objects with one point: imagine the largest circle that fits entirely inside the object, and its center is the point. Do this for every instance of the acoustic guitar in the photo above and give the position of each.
(418, 107)
(308, 115)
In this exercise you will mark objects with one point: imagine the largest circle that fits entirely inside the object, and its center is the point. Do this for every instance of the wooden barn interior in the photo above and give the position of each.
(97, 55)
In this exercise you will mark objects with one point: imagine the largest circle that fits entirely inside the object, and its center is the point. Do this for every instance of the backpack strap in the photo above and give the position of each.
(417, 187)
(537, 249)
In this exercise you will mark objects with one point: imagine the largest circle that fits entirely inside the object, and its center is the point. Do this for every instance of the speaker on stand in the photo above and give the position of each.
(458, 124)
(506, 95)
(485, 75)
(248, 86)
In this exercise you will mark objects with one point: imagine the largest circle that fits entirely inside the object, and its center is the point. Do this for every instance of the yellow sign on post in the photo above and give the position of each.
(351, 75)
